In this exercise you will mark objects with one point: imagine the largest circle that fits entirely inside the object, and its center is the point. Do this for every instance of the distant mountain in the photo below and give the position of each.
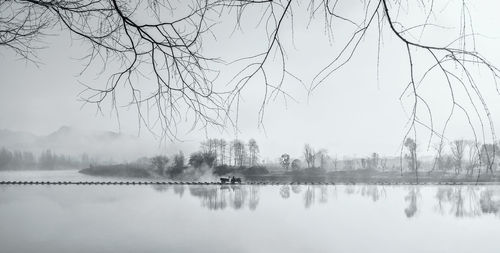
(73, 141)
(66, 137)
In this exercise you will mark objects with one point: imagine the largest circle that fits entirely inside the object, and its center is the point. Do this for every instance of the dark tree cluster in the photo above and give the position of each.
(215, 155)
(198, 159)
(161, 164)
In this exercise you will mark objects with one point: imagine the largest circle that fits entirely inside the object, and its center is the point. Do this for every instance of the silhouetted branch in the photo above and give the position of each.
(163, 41)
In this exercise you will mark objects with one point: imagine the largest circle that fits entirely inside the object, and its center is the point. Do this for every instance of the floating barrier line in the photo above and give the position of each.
(219, 183)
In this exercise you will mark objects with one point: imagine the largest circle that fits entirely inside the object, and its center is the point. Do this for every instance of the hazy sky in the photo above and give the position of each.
(350, 114)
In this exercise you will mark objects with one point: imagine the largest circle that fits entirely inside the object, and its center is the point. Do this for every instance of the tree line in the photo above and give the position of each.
(458, 156)
(224, 156)
(46, 160)
(320, 161)
(232, 153)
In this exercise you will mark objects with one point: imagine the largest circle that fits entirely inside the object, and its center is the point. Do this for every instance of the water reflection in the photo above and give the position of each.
(179, 190)
(488, 202)
(468, 201)
(411, 198)
(221, 197)
(460, 201)
(315, 194)
(311, 195)
(285, 191)
(373, 192)
(296, 189)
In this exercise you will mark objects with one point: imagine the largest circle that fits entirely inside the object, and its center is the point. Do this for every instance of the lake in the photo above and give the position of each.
(246, 218)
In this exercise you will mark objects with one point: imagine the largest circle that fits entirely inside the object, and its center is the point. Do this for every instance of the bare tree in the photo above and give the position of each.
(322, 155)
(207, 146)
(253, 152)
(239, 152)
(383, 163)
(166, 38)
(211, 146)
(363, 162)
(438, 159)
(335, 162)
(309, 156)
(222, 151)
(457, 149)
(473, 159)
(488, 154)
(231, 153)
(374, 161)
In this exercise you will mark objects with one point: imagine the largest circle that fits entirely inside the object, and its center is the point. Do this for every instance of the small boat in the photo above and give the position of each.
(230, 180)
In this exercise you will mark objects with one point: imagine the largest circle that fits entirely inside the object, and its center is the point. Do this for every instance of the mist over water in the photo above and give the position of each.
(241, 218)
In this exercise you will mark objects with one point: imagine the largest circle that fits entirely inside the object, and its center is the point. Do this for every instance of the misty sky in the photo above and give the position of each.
(350, 114)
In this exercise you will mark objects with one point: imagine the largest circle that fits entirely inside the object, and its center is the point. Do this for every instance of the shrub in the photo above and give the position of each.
(223, 170)
(255, 170)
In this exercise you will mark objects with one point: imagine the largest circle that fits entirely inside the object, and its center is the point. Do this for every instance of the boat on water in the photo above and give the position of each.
(230, 180)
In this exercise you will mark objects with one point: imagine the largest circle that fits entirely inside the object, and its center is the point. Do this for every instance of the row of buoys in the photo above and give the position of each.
(157, 183)
(104, 183)
(216, 183)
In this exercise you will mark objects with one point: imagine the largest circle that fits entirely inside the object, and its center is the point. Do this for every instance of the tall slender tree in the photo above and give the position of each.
(253, 152)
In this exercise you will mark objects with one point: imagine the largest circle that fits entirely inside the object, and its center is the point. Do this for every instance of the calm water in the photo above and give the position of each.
(245, 218)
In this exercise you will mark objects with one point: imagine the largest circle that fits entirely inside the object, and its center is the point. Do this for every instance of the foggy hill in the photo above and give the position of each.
(73, 141)
(16, 140)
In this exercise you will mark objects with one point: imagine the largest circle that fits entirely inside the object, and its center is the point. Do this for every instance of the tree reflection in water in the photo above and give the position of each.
(412, 197)
(468, 201)
(490, 202)
(285, 191)
(310, 193)
(296, 189)
(254, 198)
(160, 188)
(315, 194)
(459, 201)
(179, 189)
(374, 192)
(216, 197)
(309, 196)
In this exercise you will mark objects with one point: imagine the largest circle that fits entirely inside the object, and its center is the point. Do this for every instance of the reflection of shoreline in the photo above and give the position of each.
(459, 201)
(468, 201)
(219, 197)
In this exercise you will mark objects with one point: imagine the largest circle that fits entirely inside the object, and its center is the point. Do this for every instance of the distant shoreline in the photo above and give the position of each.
(138, 182)
(335, 177)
